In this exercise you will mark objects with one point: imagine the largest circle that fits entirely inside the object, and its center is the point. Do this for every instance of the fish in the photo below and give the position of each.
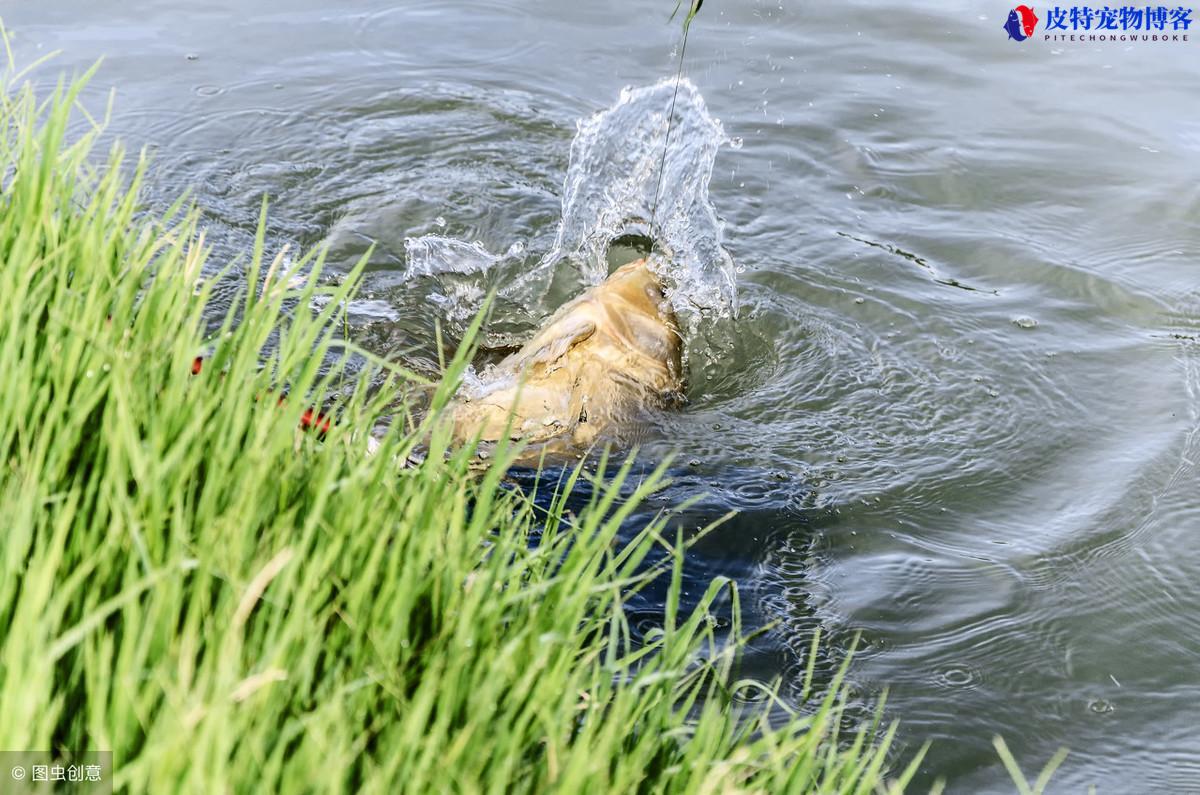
(1029, 19)
(1021, 23)
(602, 359)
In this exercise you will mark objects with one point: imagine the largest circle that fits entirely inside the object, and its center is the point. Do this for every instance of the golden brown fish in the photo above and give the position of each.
(600, 359)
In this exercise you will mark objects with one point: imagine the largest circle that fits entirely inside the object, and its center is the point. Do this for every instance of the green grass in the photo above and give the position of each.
(230, 604)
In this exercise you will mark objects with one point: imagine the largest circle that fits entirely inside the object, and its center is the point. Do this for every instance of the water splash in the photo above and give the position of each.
(455, 267)
(609, 191)
(432, 255)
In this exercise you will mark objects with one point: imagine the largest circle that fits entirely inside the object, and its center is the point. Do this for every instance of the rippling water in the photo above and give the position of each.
(959, 407)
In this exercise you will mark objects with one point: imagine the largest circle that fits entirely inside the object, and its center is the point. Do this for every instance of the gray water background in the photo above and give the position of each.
(961, 407)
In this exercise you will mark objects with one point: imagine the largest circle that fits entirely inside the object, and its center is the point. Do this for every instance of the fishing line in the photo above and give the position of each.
(662, 164)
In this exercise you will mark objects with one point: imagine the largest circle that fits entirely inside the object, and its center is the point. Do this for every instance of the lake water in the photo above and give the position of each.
(959, 407)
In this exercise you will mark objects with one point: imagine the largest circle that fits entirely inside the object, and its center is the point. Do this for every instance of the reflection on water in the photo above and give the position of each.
(959, 408)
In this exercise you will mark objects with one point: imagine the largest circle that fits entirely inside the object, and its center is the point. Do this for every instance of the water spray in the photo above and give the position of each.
(662, 165)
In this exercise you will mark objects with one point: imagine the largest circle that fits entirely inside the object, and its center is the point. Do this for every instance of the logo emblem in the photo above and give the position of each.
(1021, 22)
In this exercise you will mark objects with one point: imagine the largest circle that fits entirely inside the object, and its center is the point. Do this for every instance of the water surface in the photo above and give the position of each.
(960, 405)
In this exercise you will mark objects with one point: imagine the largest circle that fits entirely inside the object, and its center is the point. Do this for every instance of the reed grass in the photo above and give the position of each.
(230, 603)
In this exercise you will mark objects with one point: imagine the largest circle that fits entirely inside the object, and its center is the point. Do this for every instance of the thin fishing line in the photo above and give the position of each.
(662, 165)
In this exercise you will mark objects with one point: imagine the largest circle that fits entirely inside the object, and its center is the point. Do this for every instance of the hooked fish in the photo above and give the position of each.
(599, 360)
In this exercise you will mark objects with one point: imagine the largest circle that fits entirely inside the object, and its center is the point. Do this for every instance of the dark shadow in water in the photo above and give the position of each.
(750, 512)
(919, 261)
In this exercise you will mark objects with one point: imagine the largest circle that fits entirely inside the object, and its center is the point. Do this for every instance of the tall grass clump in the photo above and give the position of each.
(229, 603)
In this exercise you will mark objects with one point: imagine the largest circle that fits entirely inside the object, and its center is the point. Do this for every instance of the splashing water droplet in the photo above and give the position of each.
(430, 255)
(609, 191)
(611, 185)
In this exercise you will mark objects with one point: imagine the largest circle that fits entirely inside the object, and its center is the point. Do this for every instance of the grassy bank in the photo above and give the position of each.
(228, 602)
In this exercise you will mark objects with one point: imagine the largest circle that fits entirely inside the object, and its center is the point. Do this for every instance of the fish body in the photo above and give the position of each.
(597, 363)
(1029, 19)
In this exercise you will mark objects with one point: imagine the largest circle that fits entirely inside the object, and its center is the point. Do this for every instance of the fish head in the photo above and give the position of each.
(1013, 26)
(636, 325)
(597, 361)
(639, 286)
